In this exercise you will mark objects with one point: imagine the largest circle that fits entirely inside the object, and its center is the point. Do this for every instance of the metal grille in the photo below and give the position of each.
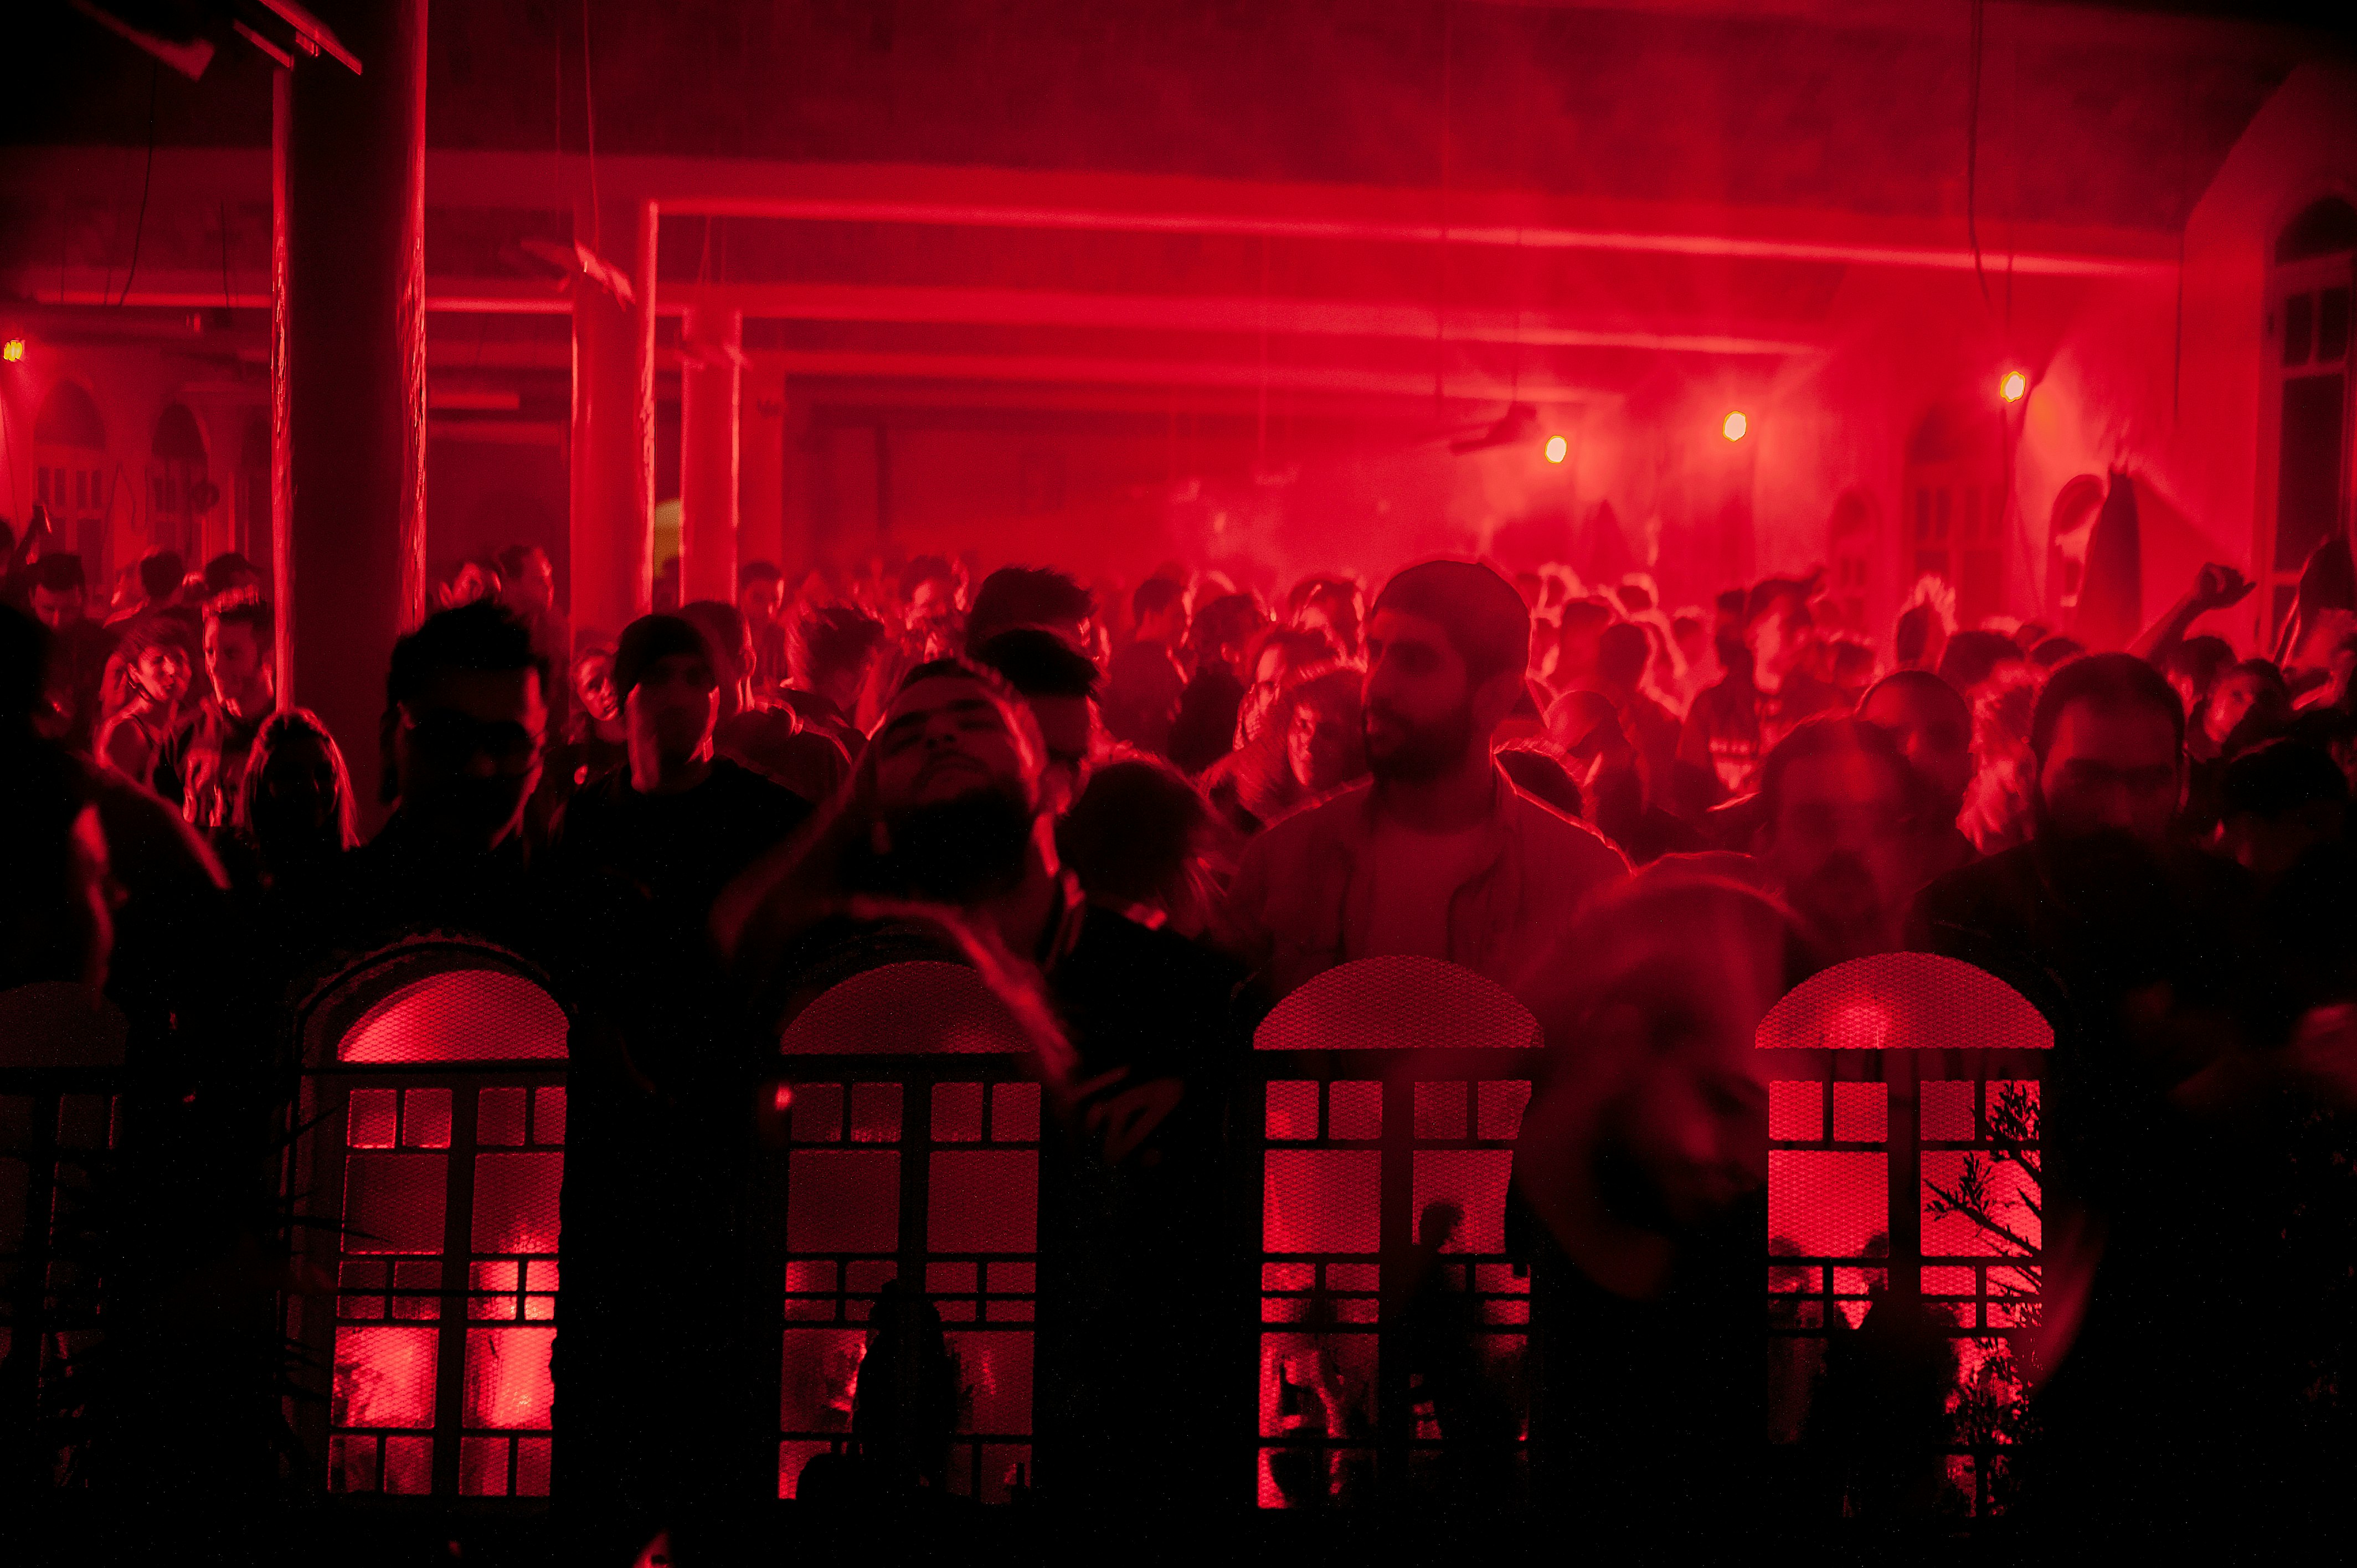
(433, 1188)
(912, 1162)
(1389, 1100)
(1903, 1174)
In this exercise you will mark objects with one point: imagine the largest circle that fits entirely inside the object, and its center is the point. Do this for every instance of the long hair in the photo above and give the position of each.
(276, 731)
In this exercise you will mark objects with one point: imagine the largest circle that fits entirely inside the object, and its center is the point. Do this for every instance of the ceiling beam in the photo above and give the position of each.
(1068, 370)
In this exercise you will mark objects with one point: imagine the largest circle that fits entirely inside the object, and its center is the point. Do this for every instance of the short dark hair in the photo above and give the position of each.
(1155, 595)
(925, 569)
(725, 634)
(1230, 618)
(250, 610)
(1479, 611)
(648, 641)
(1826, 735)
(1973, 656)
(827, 638)
(1130, 836)
(160, 572)
(1622, 651)
(2200, 660)
(2048, 651)
(222, 572)
(511, 559)
(2111, 680)
(1039, 663)
(1024, 595)
(59, 573)
(1930, 685)
(753, 572)
(480, 635)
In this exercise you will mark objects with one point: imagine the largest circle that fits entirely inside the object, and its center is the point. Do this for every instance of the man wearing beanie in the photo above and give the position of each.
(1438, 856)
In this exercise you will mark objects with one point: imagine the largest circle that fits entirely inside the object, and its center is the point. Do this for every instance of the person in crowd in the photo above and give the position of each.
(1636, 1203)
(1224, 635)
(932, 599)
(527, 587)
(1972, 658)
(1617, 675)
(156, 667)
(1287, 757)
(2249, 702)
(761, 600)
(1040, 598)
(2193, 666)
(1767, 690)
(295, 816)
(1329, 606)
(1276, 660)
(831, 655)
(231, 573)
(680, 821)
(155, 576)
(1440, 855)
(1932, 725)
(1059, 685)
(1920, 637)
(761, 733)
(80, 646)
(1839, 813)
(1580, 636)
(1144, 684)
(1998, 813)
(201, 765)
(1611, 774)
(1145, 845)
(596, 740)
(1325, 732)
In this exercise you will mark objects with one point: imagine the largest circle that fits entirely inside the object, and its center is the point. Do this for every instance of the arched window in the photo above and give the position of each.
(1903, 1166)
(70, 474)
(425, 1183)
(1952, 493)
(178, 493)
(911, 1162)
(1385, 1089)
(2308, 289)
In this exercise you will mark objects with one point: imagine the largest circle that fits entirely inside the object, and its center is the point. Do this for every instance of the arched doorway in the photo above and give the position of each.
(2309, 291)
(70, 475)
(178, 491)
(1954, 495)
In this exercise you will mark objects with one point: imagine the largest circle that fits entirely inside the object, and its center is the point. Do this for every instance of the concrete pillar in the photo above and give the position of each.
(354, 370)
(612, 456)
(761, 466)
(711, 386)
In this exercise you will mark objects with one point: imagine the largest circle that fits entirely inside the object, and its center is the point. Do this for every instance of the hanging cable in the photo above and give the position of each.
(155, 75)
(1972, 152)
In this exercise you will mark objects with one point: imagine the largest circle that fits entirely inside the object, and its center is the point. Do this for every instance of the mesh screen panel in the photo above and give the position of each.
(913, 1156)
(1903, 1177)
(462, 1016)
(1392, 1087)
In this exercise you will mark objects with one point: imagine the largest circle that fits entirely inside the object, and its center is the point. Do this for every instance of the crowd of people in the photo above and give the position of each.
(1147, 812)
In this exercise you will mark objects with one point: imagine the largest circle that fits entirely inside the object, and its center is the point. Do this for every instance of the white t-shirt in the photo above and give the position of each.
(1415, 875)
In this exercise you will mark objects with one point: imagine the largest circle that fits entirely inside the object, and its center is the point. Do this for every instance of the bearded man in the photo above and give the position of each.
(1437, 854)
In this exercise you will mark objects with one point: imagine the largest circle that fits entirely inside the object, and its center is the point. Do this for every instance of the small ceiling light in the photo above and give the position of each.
(13, 349)
(2015, 387)
(1735, 426)
(1555, 448)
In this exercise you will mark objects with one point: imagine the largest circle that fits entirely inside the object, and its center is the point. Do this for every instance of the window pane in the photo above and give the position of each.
(995, 1366)
(499, 1117)
(393, 1203)
(507, 1378)
(982, 1201)
(842, 1202)
(384, 1376)
(957, 1113)
(516, 1202)
(1320, 1200)
(371, 1118)
(1826, 1205)
(822, 1369)
(1475, 1181)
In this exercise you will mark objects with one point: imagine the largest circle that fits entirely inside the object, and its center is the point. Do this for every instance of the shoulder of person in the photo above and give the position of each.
(1327, 818)
(1548, 831)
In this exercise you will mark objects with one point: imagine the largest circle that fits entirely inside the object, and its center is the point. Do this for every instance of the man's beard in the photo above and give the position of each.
(1422, 751)
(958, 852)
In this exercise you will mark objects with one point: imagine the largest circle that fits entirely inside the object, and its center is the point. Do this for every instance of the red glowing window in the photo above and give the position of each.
(913, 1157)
(1903, 1178)
(1393, 1090)
(435, 1106)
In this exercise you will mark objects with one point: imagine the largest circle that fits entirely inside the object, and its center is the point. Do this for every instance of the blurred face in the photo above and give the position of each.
(760, 601)
(1322, 748)
(1935, 734)
(232, 659)
(298, 791)
(932, 605)
(2110, 770)
(2230, 700)
(1421, 716)
(1777, 644)
(469, 752)
(57, 610)
(163, 673)
(1331, 619)
(532, 587)
(672, 711)
(943, 738)
(1838, 845)
(1268, 678)
(1067, 728)
(593, 682)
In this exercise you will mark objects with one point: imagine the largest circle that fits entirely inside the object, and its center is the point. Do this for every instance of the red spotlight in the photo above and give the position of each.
(1555, 448)
(782, 1100)
(2015, 387)
(1735, 426)
(13, 349)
